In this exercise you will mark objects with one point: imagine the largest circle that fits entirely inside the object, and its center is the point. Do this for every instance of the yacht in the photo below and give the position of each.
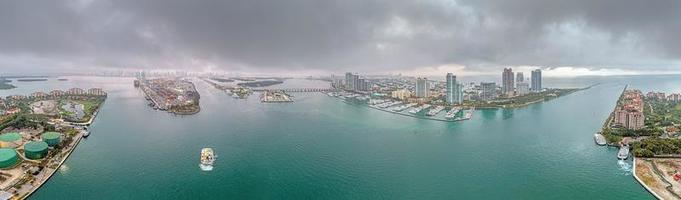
(435, 111)
(623, 153)
(451, 114)
(207, 159)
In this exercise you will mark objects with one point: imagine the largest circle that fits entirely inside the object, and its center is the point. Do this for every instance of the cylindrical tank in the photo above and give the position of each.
(51, 138)
(35, 150)
(10, 140)
(8, 157)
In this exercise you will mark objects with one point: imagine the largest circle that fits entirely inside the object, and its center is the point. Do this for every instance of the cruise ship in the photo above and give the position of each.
(435, 111)
(451, 114)
(207, 159)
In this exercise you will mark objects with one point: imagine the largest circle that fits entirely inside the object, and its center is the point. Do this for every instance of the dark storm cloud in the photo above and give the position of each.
(366, 35)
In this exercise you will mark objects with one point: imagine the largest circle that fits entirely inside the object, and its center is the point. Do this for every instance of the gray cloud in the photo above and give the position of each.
(366, 35)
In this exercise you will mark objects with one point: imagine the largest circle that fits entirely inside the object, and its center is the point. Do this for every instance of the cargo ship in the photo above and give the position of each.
(207, 159)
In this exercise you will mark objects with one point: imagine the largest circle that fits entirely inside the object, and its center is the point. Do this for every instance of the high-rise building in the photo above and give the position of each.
(363, 85)
(450, 89)
(507, 82)
(458, 94)
(422, 87)
(522, 88)
(536, 80)
(348, 81)
(489, 91)
(519, 78)
(352, 82)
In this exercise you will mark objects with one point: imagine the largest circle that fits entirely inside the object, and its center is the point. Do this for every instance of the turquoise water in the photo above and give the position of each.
(321, 148)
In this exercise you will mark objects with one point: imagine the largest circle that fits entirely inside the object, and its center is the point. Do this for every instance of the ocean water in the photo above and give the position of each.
(321, 148)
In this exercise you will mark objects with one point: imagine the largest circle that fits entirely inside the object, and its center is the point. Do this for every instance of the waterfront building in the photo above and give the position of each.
(401, 94)
(507, 82)
(38, 95)
(458, 93)
(57, 93)
(363, 85)
(422, 87)
(635, 120)
(348, 81)
(630, 114)
(96, 92)
(453, 90)
(536, 80)
(522, 88)
(489, 91)
(75, 91)
(519, 78)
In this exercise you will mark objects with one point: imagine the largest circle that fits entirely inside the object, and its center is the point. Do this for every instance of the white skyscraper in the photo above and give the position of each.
(536, 80)
(422, 87)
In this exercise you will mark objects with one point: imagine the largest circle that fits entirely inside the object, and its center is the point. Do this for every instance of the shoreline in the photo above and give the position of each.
(640, 182)
(66, 156)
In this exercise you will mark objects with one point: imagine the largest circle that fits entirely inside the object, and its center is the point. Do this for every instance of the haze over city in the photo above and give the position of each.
(564, 38)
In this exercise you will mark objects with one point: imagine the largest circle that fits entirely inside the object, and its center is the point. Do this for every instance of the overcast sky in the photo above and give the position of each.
(368, 36)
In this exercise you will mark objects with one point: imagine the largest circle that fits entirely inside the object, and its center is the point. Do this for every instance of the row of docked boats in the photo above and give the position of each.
(419, 109)
(435, 111)
(451, 114)
(403, 107)
(622, 153)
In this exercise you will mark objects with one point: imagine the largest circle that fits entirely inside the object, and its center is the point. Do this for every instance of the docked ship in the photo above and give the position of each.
(207, 159)
(600, 140)
(435, 111)
(623, 153)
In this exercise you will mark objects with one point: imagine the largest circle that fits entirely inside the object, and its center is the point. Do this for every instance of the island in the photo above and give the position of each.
(175, 95)
(263, 83)
(38, 133)
(447, 100)
(523, 100)
(648, 125)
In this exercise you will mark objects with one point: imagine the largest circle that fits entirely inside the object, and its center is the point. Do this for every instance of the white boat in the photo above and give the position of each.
(600, 140)
(451, 114)
(87, 133)
(623, 153)
(435, 111)
(419, 109)
(207, 159)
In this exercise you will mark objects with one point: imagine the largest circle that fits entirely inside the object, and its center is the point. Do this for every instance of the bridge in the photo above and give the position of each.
(294, 89)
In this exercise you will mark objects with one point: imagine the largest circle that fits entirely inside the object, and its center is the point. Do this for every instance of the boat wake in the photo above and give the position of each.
(206, 167)
(624, 166)
(64, 169)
